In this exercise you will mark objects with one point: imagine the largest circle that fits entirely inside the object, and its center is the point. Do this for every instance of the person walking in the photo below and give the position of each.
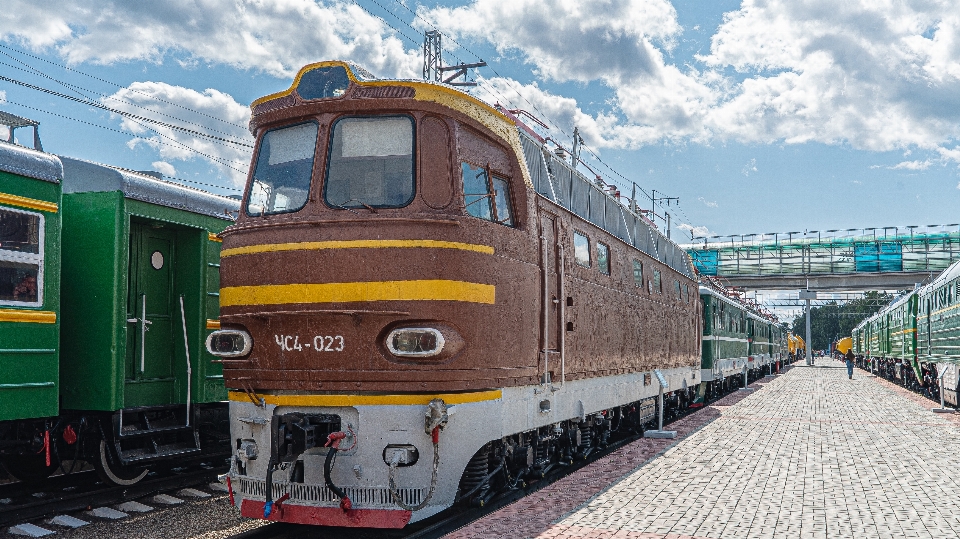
(849, 358)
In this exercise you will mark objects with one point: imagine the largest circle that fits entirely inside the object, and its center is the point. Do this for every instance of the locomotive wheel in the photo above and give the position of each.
(111, 471)
(29, 468)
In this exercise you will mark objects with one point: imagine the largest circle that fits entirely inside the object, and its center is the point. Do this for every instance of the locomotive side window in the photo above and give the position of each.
(371, 163)
(603, 258)
(638, 273)
(21, 258)
(486, 196)
(281, 178)
(581, 249)
(501, 198)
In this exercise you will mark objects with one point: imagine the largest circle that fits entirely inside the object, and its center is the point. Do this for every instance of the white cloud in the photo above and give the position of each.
(210, 112)
(3, 96)
(874, 76)
(950, 154)
(697, 231)
(164, 168)
(581, 41)
(708, 203)
(618, 42)
(749, 167)
(912, 165)
(859, 73)
(276, 37)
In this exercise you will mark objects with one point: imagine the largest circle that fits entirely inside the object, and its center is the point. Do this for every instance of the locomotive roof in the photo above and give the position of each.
(17, 159)
(560, 182)
(87, 177)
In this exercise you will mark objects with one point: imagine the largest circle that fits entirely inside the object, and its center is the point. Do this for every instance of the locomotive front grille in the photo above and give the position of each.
(320, 494)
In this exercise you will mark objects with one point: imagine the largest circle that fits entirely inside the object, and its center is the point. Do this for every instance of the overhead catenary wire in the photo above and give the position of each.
(184, 180)
(91, 103)
(114, 84)
(540, 112)
(395, 29)
(80, 91)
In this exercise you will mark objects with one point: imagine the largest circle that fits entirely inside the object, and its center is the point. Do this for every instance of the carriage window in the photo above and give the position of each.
(581, 249)
(638, 273)
(281, 179)
(21, 258)
(371, 163)
(603, 258)
(486, 196)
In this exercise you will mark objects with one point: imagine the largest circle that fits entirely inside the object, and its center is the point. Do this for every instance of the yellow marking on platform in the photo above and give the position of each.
(34, 317)
(29, 203)
(370, 400)
(355, 244)
(425, 290)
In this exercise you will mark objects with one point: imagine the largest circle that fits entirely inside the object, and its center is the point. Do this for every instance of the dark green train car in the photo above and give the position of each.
(725, 349)
(901, 324)
(29, 300)
(141, 294)
(938, 328)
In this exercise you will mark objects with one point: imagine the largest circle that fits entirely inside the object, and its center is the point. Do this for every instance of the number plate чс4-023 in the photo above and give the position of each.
(319, 343)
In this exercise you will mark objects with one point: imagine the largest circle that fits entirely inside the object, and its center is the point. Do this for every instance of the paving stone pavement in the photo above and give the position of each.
(811, 454)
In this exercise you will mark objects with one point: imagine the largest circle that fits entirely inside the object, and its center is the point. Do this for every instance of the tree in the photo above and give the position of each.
(835, 321)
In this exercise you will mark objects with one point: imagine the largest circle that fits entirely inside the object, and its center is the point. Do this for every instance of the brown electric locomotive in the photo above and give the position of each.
(421, 304)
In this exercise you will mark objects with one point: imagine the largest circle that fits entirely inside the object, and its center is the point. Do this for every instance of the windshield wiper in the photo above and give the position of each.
(342, 207)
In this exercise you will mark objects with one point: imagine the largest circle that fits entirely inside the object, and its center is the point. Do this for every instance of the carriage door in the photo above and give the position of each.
(149, 358)
(552, 273)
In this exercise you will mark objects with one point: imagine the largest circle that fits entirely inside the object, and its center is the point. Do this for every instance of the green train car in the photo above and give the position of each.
(938, 328)
(916, 336)
(887, 341)
(734, 338)
(29, 297)
(115, 371)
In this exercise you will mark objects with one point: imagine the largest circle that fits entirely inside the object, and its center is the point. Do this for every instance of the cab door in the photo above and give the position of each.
(150, 377)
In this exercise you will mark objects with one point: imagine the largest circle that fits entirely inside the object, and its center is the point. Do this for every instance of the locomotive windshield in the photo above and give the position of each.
(371, 163)
(281, 179)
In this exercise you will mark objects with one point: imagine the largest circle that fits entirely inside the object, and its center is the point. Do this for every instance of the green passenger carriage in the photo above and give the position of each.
(938, 328)
(29, 297)
(734, 338)
(141, 267)
(111, 366)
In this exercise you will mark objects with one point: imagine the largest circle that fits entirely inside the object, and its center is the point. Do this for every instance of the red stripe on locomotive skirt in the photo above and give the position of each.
(329, 516)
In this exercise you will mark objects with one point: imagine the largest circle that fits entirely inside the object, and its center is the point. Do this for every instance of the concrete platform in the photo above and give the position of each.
(810, 454)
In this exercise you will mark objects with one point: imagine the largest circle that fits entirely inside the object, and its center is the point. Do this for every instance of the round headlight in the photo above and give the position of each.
(415, 342)
(229, 343)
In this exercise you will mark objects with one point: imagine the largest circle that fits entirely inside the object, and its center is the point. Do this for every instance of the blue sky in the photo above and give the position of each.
(761, 116)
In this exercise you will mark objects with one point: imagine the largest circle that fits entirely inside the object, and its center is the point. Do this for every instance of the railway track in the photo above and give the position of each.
(20, 502)
(451, 520)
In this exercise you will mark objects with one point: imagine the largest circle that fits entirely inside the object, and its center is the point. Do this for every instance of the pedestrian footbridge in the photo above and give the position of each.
(887, 258)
